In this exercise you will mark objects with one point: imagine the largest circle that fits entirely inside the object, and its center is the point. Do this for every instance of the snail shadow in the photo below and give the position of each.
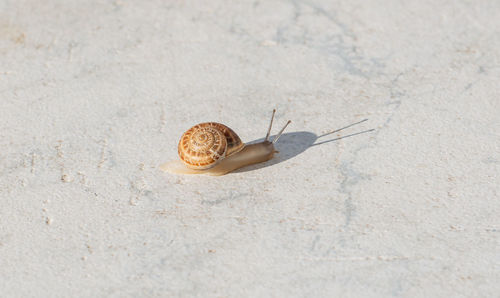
(294, 143)
(290, 145)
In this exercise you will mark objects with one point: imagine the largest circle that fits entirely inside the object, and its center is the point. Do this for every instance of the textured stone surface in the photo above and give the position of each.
(95, 95)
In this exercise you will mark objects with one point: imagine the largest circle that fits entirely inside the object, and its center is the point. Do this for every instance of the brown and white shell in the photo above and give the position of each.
(205, 144)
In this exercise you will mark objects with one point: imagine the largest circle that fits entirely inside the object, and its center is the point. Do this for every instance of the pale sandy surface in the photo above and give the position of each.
(94, 97)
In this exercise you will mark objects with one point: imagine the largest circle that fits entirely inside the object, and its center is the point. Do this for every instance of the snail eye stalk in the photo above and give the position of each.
(270, 125)
(281, 132)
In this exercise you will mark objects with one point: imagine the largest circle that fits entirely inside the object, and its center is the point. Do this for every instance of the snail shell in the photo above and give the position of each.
(206, 144)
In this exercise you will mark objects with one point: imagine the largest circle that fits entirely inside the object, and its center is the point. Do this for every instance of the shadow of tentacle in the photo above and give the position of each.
(343, 137)
(294, 143)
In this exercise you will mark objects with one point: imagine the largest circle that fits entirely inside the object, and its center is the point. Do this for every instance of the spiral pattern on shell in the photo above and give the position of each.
(205, 144)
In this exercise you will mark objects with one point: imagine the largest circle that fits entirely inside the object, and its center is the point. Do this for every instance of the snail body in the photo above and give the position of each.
(214, 149)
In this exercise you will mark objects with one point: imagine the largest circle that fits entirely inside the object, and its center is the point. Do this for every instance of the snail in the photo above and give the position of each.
(214, 149)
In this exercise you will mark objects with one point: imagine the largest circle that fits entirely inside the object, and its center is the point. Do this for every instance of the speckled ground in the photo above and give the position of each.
(95, 95)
